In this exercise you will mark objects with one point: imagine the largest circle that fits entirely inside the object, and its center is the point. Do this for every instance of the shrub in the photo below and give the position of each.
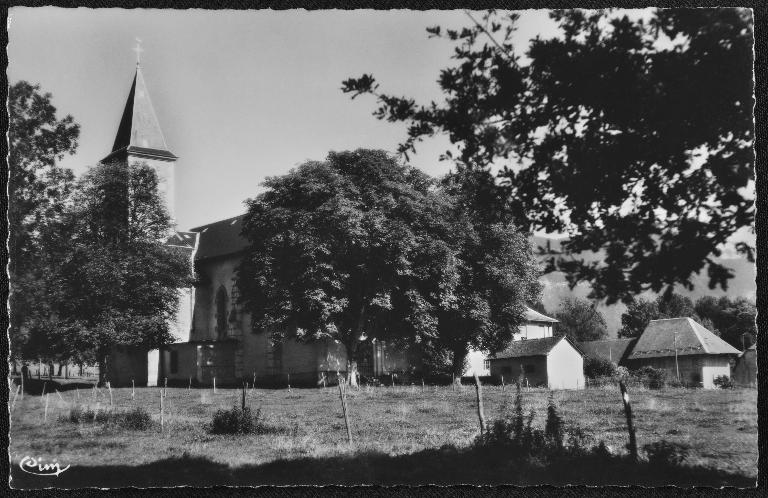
(723, 382)
(653, 378)
(136, 419)
(599, 367)
(242, 421)
(666, 453)
(234, 421)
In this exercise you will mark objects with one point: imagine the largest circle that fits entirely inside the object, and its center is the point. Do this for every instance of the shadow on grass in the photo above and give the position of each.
(447, 465)
(35, 386)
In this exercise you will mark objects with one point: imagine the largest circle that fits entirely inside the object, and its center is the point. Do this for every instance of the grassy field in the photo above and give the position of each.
(400, 435)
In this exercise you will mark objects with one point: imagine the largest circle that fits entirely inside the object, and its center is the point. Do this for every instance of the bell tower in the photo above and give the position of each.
(139, 138)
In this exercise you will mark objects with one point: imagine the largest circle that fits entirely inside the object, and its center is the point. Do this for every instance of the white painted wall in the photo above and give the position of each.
(533, 331)
(476, 364)
(565, 367)
(153, 366)
(712, 367)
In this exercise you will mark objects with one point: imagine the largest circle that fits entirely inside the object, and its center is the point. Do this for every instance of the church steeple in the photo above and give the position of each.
(139, 138)
(139, 130)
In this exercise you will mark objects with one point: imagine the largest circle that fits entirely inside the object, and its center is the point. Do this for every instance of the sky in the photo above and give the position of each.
(240, 95)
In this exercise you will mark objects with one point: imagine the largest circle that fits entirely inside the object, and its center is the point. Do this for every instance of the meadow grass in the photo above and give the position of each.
(720, 426)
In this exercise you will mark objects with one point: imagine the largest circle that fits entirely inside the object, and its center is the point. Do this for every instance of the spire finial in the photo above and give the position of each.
(138, 51)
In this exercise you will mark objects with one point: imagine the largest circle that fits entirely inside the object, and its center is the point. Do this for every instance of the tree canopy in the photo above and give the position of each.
(115, 281)
(580, 320)
(633, 136)
(37, 193)
(360, 247)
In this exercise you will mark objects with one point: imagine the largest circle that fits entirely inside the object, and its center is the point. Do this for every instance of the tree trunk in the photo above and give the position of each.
(460, 354)
(102, 369)
(61, 367)
(50, 371)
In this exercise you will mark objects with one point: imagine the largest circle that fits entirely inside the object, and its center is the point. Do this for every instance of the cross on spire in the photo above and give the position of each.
(138, 51)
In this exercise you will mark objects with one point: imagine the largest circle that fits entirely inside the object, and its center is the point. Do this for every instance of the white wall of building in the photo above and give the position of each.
(565, 367)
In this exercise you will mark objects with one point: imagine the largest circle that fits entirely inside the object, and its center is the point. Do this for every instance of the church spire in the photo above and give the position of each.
(139, 131)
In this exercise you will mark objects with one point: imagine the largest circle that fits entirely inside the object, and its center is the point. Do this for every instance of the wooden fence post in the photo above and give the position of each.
(630, 427)
(189, 386)
(244, 384)
(289, 382)
(45, 415)
(22, 385)
(422, 386)
(342, 396)
(109, 386)
(502, 383)
(214, 384)
(18, 388)
(133, 389)
(480, 414)
(162, 415)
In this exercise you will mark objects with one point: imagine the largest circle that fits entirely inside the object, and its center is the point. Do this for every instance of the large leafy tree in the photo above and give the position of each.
(497, 277)
(580, 320)
(116, 280)
(351, 248)
(38, 189)
(734, 319)
(634, 136)
(641, 311)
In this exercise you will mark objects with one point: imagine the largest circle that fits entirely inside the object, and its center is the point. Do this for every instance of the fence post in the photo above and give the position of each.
(453, 382)
(289, 382)
(162, 415)
(214, 384)
(165, 386)
(422, 386)
(243, 396)
(480, 414)
(342, 396)
(109, 386)
(628, 412)
(22, 385)
(133, 388)
(45, 415)
(502, 383)
(18, 388)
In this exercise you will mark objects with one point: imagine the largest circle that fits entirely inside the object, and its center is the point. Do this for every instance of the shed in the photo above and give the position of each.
(554, 362)
(682, 344)
(745, 370)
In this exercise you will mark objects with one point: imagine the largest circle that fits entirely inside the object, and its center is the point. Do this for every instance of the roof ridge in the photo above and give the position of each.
(195, 229)
(692, 324)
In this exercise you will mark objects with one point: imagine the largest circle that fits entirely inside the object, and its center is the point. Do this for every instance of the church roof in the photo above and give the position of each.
(221, 238)
(663, 337)
(139, 131)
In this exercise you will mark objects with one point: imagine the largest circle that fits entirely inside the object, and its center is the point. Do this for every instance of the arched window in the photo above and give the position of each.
(221, 312)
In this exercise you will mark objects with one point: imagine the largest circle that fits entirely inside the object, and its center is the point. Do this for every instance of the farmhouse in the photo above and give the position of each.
(681, 344)
(553, 362)
(745, 370)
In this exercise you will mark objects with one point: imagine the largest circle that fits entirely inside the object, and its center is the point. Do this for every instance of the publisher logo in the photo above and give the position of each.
(38, 467)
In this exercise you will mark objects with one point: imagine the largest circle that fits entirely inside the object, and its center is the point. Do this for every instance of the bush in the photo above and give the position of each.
(134, 419)
(242, 421)
(234, 421)
(723, 382)
(599, 367)
(652, 378)
(666, 453)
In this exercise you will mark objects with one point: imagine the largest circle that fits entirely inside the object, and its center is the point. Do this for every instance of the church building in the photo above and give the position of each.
(214, 340)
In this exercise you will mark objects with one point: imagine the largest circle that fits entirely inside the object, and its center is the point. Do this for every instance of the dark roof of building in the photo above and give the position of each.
(614, 350)
(531, 347)
(681, 336)
(532, 315)
(184, 240)
(139, 131)
(221, 238)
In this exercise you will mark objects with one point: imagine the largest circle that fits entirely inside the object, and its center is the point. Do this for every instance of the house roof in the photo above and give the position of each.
(532, 315)
(684, 335)
(139, 131)
(221, 238)
(614, 350)
(531, 347)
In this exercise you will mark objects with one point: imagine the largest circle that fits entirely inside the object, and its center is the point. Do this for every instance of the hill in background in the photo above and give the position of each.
(556, 287)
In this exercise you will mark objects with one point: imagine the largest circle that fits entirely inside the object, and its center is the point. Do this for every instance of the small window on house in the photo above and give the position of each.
(487, 364)
(174, 362)
(529, 368)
